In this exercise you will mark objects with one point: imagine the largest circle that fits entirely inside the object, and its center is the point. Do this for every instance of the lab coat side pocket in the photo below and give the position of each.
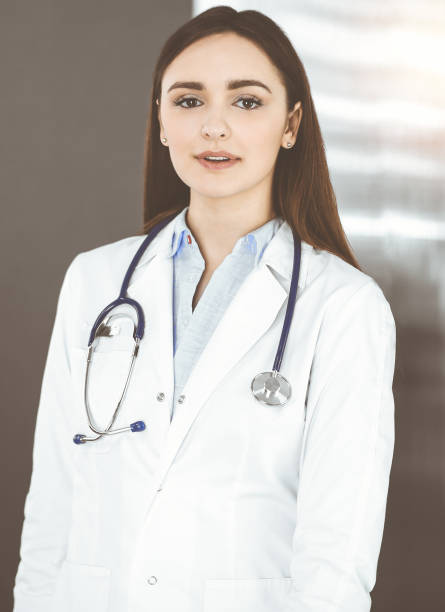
(82, 587)
(246, 594)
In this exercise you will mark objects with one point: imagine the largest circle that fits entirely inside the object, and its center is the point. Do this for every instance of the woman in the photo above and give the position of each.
(230, 495)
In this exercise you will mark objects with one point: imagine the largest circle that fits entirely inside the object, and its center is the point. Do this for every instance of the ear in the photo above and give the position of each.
(293, 123)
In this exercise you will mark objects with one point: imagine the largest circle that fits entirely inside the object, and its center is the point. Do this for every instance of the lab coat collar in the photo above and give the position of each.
(278, 253)
(251, 244)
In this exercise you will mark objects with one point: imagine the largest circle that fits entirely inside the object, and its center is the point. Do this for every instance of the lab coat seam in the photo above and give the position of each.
(72, 271)
(65, 312)
(370, 471)
(67, 304)
(348, 301)
(309, 414)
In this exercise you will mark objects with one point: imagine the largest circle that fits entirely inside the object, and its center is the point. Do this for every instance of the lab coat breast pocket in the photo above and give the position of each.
(106, 382)
(82, 587)
(246, 594)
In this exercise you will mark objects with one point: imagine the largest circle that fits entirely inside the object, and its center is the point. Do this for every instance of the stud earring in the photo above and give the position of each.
(164, 139)
(289, 144)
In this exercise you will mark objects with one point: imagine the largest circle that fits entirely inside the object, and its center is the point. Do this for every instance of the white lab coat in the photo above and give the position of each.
(234, 506)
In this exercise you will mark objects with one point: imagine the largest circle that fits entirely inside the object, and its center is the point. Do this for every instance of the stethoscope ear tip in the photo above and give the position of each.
(79, 439)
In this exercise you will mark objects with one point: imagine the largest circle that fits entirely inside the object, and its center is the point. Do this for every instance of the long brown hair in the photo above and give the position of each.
(302, 191)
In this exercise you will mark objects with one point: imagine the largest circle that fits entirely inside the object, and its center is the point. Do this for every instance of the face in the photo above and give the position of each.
(249, 121)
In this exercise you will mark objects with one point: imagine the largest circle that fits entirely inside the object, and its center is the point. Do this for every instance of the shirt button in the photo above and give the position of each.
(152, 580)
(181, 399)
(160, 396)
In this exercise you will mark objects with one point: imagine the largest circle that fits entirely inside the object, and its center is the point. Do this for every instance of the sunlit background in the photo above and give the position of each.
(377, 73)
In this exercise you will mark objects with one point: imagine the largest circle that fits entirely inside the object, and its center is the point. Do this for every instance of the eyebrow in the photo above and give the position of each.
(233, 84)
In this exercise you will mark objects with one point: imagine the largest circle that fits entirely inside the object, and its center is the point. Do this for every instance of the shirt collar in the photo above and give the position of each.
(253, 242)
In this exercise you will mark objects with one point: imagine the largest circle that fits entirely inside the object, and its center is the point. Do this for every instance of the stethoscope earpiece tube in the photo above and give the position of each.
(290, 304)
(272, 388)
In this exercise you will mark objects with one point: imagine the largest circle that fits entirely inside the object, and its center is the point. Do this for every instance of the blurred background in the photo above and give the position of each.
(76, 79)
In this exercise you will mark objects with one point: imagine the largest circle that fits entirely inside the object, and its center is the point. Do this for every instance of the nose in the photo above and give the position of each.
(217, 131)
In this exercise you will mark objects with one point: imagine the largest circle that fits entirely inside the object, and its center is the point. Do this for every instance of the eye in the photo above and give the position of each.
(181, 100)
(249, 99)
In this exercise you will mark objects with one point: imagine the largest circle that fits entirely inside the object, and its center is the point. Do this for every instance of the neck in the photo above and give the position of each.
(217, 228)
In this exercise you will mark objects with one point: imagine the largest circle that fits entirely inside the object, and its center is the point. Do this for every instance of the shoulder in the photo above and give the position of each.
(104, 260)
(343, 289)
(111, 253)
(93, 276)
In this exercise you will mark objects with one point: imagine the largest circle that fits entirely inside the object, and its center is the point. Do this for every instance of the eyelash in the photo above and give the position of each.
(249, 98)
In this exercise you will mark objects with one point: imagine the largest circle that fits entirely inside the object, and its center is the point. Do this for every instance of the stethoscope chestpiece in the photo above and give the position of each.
(271, 388)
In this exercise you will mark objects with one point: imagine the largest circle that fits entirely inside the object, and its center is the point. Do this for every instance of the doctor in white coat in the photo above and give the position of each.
(232, 505)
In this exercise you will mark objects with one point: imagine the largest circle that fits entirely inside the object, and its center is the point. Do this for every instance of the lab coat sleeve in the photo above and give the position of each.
(47, 509)
(346, 458)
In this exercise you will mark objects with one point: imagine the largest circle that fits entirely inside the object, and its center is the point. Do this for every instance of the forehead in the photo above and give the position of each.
(216, 60)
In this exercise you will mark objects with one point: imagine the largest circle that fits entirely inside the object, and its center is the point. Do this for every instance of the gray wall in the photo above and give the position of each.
(76, 79)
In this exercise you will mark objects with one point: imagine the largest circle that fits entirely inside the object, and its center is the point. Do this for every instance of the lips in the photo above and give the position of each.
(217, 154)
(217, 165)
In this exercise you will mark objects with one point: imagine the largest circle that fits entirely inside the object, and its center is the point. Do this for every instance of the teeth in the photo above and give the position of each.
(214, 158)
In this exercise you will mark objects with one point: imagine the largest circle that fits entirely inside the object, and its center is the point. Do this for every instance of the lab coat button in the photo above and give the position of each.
(152, 580)
(181, 399)
(160, 396)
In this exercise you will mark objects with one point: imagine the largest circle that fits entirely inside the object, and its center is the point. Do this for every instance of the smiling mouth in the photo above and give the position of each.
(217, 164)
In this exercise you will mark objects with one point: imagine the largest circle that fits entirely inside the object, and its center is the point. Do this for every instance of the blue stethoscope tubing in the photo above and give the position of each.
(270, 388)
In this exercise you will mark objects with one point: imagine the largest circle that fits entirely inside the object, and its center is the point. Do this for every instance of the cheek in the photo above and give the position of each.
(178, 131)
(261, 152)
(181, 148)
(182, 161)
(267, 134)
(261, 138)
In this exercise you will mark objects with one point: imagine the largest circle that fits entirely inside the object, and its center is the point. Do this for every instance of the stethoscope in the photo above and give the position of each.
(269, 388)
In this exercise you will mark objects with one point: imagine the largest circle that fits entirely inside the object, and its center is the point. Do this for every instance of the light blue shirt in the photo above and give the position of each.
(193, 328)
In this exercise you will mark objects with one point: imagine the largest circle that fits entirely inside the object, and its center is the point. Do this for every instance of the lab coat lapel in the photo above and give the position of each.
(248, 316)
